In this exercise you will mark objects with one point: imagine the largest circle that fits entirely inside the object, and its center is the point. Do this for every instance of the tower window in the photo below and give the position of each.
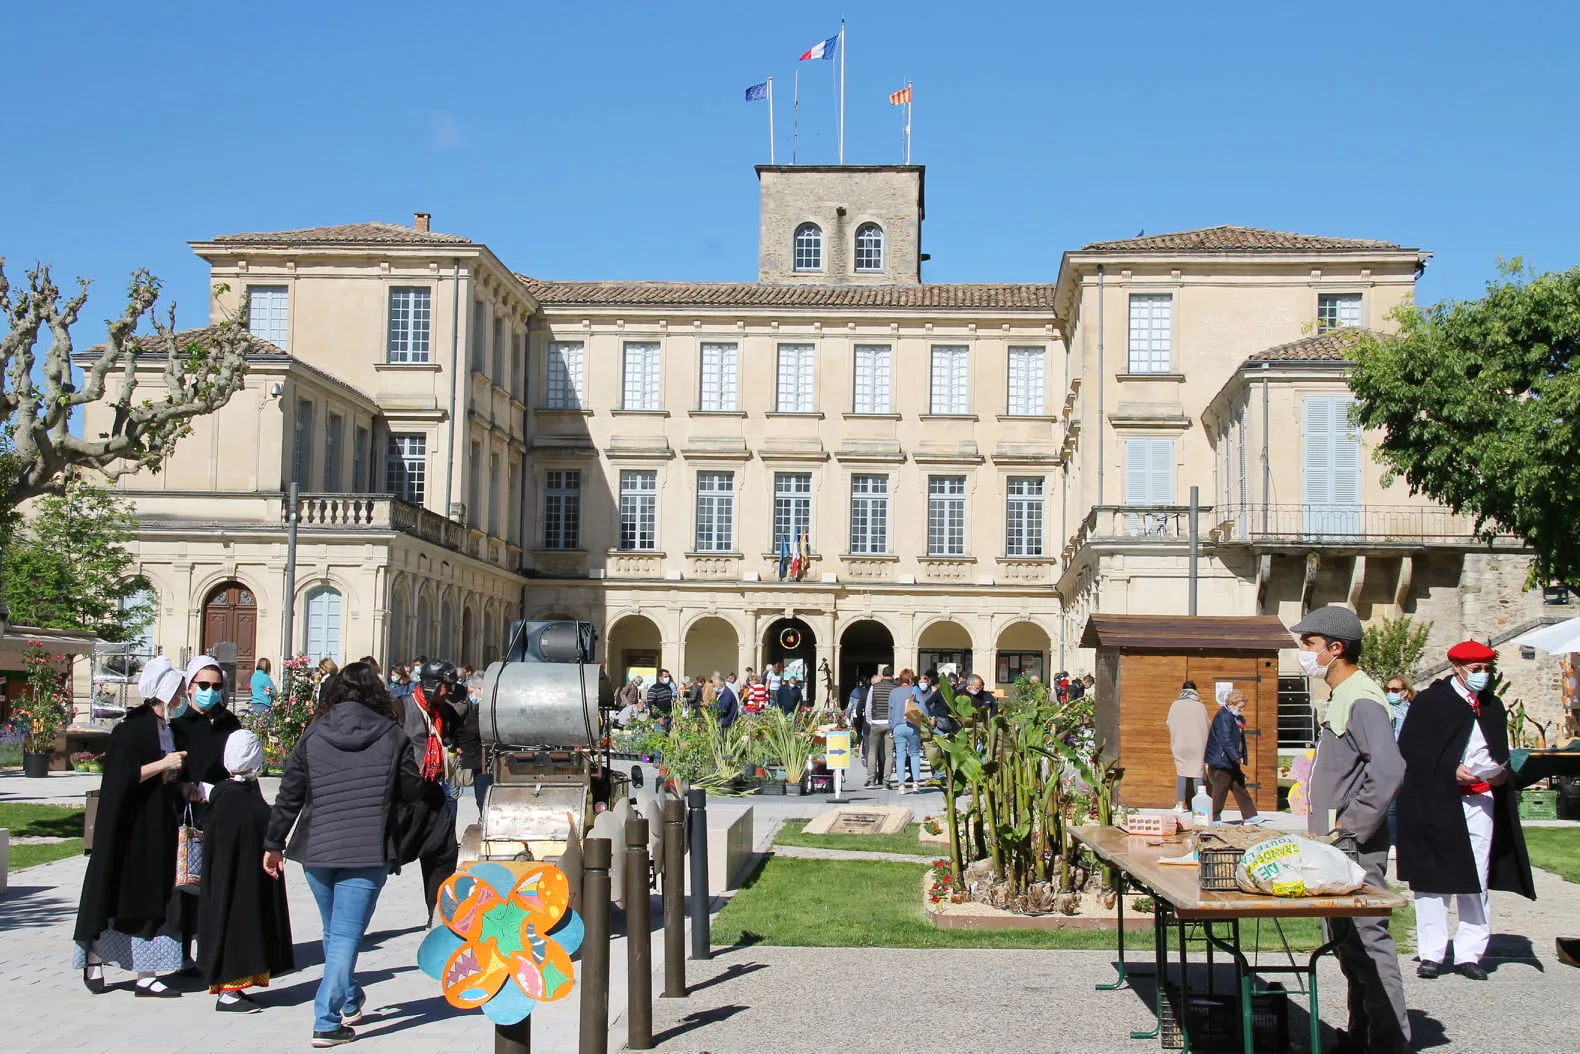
(869, 247)
(809, 247)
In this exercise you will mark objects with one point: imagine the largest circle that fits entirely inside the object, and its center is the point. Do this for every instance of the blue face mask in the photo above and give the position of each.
(1394, 697)
(205, 699)
(175, 710)
(1477, 681)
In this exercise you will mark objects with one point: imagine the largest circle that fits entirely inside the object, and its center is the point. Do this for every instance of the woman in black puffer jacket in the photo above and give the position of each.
(340, 787)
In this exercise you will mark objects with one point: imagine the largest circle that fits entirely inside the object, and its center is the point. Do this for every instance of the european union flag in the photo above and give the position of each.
(757, 91)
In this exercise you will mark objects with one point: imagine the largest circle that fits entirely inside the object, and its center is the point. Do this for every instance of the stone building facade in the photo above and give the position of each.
(837, 464)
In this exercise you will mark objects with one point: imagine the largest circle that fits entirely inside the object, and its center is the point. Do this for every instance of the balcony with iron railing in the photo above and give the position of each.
(1275, 526)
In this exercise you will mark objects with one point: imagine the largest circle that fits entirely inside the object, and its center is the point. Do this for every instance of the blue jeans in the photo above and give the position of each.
(907, 744)
(346, 897)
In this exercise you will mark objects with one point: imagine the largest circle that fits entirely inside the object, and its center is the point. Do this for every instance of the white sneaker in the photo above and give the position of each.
(1252, 822)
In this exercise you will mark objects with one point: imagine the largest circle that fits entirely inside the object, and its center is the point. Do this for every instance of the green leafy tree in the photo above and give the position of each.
(1478, 407)
(66, 564)
(1393, 647)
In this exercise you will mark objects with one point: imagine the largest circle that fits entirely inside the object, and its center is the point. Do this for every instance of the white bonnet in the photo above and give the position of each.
(160, 680)
(199, 663)
(243, 753)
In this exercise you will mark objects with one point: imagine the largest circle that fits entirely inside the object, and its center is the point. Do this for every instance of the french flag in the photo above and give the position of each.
(823, 49)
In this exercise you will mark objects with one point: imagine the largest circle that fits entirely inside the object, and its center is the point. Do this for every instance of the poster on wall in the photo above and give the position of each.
(1221, 690)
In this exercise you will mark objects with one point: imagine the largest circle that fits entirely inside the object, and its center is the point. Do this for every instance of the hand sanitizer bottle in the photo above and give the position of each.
(1201, 808)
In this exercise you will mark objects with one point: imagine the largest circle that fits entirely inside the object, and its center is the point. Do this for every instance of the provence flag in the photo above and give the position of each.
(757, 91)
(784, 556)
(823, 49)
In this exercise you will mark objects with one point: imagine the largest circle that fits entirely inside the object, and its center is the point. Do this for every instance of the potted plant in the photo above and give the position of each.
(790, 741)
(83, 760)
(44, 711)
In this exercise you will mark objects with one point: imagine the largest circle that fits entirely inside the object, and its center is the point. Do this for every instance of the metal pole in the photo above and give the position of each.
(455, 361)
(1195, 542)
(597, 855)
(514, 1039)
(638, 938)
(701, 939)
(674, 843)
(770, 120)
(1101, 407)
(292, 514)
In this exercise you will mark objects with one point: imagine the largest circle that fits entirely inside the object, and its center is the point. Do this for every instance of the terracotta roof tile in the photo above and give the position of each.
(1237, 240)
(1003, 296)
(1332, 346)
(373, 233)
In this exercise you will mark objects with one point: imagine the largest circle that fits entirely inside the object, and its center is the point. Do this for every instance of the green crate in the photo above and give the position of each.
(1539, 805)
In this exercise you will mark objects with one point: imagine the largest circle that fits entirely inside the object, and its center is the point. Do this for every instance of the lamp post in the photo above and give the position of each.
(291, 504)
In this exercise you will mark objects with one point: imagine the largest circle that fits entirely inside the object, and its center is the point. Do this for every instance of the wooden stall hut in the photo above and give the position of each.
(1142, 660)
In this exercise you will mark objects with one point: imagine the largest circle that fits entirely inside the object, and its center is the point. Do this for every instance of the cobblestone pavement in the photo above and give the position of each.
(745, 1000)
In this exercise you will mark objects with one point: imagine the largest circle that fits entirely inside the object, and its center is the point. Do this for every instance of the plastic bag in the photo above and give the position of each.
(1297, 867)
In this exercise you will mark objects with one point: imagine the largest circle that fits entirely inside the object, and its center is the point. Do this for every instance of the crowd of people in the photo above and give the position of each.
(369, 787)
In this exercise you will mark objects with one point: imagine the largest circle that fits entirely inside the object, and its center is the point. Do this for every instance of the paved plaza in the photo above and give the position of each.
(746, 999)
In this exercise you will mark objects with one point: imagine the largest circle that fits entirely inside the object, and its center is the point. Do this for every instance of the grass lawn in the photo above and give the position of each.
(878, 904)
(31, 855)
(1555, 849)
(907, 841)
(32, 820)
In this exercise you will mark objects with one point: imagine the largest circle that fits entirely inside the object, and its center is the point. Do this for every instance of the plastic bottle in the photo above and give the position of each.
(1201, 808)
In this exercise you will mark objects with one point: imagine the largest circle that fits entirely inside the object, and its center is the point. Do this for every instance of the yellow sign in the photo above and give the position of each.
(839, 750)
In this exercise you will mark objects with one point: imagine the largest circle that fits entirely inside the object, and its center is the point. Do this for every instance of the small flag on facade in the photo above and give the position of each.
(757, 91)
(898, 98)
(784, 556)
(823, 49)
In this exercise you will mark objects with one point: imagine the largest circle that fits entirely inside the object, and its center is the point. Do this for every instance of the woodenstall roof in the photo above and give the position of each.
(1180, 633)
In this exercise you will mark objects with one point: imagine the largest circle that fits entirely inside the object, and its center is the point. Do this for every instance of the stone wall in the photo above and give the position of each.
(889, 195)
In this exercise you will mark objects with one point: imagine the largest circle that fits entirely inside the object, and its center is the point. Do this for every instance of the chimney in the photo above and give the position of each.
(420, 221)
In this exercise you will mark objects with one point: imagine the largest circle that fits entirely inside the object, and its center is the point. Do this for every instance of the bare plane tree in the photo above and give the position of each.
(201, 370)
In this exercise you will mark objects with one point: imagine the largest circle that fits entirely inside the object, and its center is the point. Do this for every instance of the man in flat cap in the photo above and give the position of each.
(1459, 820)
(1354, 778)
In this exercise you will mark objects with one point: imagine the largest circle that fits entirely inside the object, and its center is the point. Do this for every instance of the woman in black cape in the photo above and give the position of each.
(129, 914)
(244, 924)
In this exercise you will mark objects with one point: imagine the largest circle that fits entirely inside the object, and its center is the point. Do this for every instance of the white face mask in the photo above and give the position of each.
(1310, 666)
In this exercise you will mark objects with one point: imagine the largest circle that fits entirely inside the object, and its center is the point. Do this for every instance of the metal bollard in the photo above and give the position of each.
(701, 939)
(597, 853)
(514, 1039)
(674, 849)
(638, 938)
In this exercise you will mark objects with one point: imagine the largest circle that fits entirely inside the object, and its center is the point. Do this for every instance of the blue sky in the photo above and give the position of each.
(612, 140)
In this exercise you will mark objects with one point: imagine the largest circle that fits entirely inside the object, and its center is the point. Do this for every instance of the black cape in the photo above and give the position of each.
(243, 924)
(132, 870)
(203, 737)
(1434, 844)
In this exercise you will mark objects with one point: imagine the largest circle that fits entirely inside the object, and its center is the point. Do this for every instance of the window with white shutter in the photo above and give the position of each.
(873, 380)
(1027, 383)
(1149, 480)
(321, 634)
(869, 514)
(720, 378)
(715, 512)
(1023, 516)
(567, 376)
(1151, 332)
(641, 376)
(410, 314)
(796, 379)
(951, 379)
(1330, 467)
(268, 308)
(946, 516)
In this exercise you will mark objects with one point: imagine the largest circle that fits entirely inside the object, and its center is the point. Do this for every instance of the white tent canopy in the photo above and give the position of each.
(1557, 639)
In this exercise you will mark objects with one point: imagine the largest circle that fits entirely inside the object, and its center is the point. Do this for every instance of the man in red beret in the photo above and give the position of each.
(1459, 821)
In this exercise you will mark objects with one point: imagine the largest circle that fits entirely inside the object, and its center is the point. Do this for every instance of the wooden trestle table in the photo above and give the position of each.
(1179, 900)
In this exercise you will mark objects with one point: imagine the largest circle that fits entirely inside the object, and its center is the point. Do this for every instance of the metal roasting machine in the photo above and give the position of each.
(541, 715)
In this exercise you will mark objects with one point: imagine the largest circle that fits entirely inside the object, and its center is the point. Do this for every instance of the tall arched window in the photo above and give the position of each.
(468, 637)
(400, 642)
(490, 645)
(869, 247)
(809, 247)
(322, 632)
(445, 649)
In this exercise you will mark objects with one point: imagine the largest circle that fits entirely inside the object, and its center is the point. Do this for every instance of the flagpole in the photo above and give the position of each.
(795, 114)
(910, 94)
(770, 120)
(842, 91)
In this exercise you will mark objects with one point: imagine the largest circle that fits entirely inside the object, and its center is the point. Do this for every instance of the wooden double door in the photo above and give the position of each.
(1148, 686)
(230, 616)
